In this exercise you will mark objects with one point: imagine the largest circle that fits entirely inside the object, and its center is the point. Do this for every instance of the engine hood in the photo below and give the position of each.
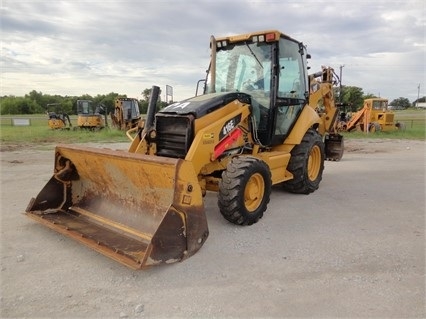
(204, 104)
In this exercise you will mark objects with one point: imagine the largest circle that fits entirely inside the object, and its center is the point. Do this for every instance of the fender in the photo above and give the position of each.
(306, 120)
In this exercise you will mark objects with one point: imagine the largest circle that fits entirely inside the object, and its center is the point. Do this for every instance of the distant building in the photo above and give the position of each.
(420, 105)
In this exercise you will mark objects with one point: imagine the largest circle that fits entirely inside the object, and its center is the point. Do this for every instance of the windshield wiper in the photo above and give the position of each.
(254, 55)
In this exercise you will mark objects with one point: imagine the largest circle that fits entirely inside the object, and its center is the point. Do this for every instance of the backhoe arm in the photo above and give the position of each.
(321, 90)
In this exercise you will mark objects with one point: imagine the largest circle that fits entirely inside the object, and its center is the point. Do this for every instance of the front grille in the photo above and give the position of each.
(174, 135)
(389, 118)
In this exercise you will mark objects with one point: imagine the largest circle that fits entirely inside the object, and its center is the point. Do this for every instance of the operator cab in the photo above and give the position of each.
(268, 66)
(85, 107)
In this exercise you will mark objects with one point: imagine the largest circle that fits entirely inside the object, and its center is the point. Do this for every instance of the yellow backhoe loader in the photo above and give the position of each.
(126, 113)
(253, 127)
(374, 116)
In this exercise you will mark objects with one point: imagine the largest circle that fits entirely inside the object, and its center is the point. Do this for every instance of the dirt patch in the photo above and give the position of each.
(368, 146)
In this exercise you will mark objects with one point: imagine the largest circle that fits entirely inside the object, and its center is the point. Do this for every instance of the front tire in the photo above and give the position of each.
(244, 190)
(306, 164)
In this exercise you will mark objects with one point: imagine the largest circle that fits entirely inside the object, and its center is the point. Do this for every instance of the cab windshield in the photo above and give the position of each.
(85, 107)
(246, 67)
(380, 105)
(243, 68)
(130, 109)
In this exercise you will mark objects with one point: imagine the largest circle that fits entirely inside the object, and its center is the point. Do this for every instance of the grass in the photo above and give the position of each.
(415, 124)
(39, 132)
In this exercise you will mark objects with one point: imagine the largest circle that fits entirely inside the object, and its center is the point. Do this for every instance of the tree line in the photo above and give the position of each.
(37, 103)
(353, 99)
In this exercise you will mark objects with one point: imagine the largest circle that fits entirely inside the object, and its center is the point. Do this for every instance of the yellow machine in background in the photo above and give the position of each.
(373, 117)
(89, 116)
(126, 113)
(58, 120)
(253, 127)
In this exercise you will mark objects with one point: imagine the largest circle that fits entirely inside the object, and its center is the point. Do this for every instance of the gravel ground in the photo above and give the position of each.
(354, 248)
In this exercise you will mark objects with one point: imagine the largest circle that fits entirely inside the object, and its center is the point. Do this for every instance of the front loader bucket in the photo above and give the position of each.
(334, 147)
(139, 210)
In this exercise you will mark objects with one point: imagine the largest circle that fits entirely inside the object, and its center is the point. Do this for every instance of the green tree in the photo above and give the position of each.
(27, 106)
(107, 101)
(67, 106)
(400, 103)
(369, 96)
(19, 105)
(145, 94)
(143, 104)
(36, 97)
(353, 96)
(9, 105)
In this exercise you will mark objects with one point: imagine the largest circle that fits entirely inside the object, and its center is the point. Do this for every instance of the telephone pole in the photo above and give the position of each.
(340, 87)
(418, 95)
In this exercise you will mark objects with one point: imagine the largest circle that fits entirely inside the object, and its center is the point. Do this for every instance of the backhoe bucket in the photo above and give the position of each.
(334, 147)
(139, 210)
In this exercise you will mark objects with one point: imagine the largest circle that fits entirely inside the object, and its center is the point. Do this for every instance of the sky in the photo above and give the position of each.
(96, 47)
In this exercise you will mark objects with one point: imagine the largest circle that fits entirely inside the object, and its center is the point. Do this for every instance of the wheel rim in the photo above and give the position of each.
(314, 163)
(254, 192)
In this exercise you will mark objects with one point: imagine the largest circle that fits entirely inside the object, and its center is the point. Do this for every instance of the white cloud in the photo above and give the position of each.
(125, 46)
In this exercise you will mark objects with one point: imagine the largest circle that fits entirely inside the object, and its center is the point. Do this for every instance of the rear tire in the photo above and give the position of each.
(400, 126)
(244, 190)
(306, 164)
(374, 127)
